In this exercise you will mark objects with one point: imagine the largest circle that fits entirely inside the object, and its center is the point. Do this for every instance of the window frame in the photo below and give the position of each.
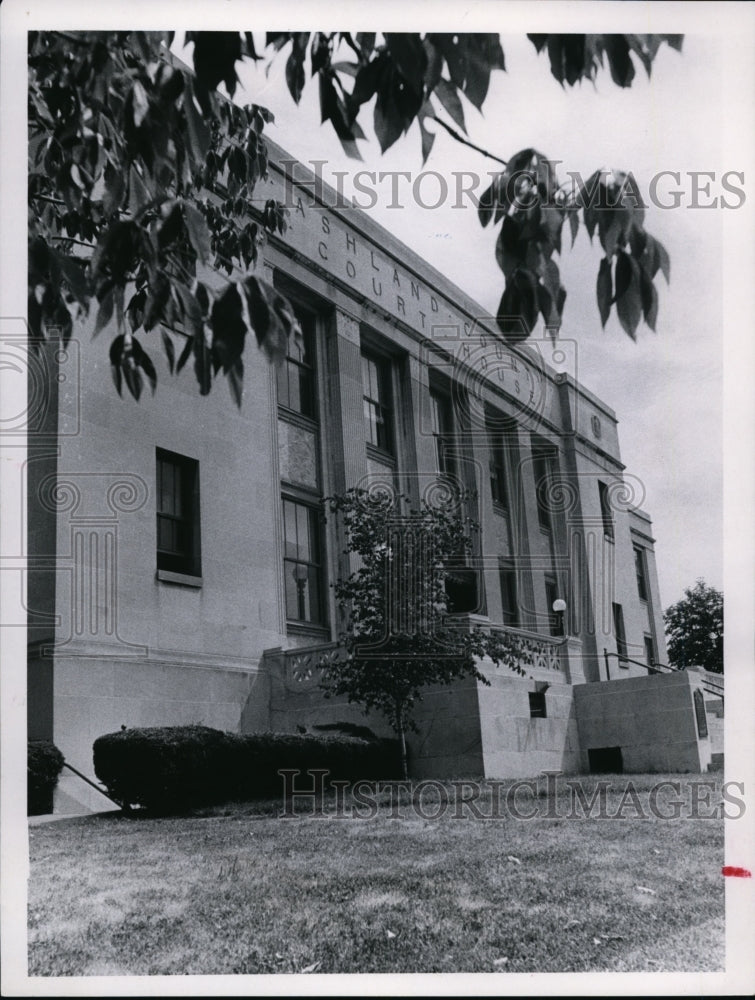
(383, 402)
(187, 559)
(641, 573)
(308, 322)
(509, 585)
(318, 564)
(606, 513)
(443, 434)
(500, 430)
(542, 468)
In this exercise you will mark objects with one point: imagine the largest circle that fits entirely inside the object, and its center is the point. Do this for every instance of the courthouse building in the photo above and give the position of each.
(179, 571)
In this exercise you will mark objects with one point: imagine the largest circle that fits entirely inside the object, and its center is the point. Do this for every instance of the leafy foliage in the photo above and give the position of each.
(695, 629)
(398, 636)
(174, 768)
(139, 175)
(44, 764)
(419, 77)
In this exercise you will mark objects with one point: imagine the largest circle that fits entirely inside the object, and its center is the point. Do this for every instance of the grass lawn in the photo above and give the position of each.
(240, 890)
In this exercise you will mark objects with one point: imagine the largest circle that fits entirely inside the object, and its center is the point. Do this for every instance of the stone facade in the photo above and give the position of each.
(399, 364)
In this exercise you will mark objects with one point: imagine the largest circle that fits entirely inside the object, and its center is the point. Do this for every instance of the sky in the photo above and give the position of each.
(666, 388)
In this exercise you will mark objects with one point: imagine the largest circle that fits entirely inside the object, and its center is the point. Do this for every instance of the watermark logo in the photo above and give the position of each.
(549, 796)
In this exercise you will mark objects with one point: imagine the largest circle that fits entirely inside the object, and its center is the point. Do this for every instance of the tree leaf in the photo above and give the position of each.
(185, 354)
(199, 234)
(573, 217)
(140, 103)
(649, 298)
(663, 260)
(295, 78)
(143, 360)
(236, 381)
(386, 119)
(105, 311)
(198, 132)
(449, 98)
(629, 302)
(604, 290)
(73, 275)
(170, 351)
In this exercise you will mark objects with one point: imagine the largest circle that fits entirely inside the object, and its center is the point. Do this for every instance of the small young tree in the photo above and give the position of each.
(398, 637)
(695, 629)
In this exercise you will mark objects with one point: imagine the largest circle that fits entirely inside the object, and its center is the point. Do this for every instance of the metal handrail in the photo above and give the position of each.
(98, 788)
(652, 668)
(656, 668)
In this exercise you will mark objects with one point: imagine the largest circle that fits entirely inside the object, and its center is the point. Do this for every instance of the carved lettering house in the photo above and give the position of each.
(179, 571)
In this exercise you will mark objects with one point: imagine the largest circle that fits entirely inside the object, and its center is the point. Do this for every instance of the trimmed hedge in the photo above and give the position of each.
(172, 768)
(44, 762)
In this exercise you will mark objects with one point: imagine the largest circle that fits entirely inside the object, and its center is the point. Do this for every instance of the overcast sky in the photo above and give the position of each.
(666, 388)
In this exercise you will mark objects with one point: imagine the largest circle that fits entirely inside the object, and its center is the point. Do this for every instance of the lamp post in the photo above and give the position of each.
(300, 574)
(559, 607)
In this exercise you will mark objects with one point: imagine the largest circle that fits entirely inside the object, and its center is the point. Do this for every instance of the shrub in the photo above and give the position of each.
(165, 768)
(173, 768)
(348, 728)
(44, 764)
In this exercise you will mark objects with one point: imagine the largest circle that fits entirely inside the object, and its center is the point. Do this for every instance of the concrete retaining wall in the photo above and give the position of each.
(652, 720)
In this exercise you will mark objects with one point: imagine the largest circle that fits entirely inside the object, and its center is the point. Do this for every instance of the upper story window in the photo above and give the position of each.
(542, 467)
(296, 376)
(378, 412)
(501, 437)
(605, 510)
(641, 572)
(178, 549)
(441, 423)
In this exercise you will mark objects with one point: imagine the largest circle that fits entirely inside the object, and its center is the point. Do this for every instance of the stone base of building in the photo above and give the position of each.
(511, 727)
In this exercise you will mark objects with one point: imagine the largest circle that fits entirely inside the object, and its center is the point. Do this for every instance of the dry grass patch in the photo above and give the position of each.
(244, 891)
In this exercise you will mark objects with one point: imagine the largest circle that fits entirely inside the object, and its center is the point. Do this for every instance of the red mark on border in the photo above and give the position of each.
(730, 871)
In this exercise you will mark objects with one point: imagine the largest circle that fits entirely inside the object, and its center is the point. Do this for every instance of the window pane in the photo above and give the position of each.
(639, 562)
(303, 551)
(313, 594)
(292, 610)
(177, 503)
(289, 529)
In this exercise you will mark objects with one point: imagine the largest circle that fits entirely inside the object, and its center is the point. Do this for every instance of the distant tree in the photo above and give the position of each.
(397, 636)
(695, 629)
(139, 172)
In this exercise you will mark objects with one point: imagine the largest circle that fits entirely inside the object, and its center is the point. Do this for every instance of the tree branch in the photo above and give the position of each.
(460, 138)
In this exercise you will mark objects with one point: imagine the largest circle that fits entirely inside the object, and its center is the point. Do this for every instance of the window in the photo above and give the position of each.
(618, 628)
(649, 650)
(509, 602)
(376, 388)
(302, 562)
(640, 570)
(605, 510)
(542, 472)
(177, 514)
(296, 376)
(442, 429)
(501, 430)
(537, 705)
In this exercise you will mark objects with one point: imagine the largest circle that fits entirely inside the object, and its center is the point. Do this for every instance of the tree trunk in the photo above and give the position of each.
(401, 733)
